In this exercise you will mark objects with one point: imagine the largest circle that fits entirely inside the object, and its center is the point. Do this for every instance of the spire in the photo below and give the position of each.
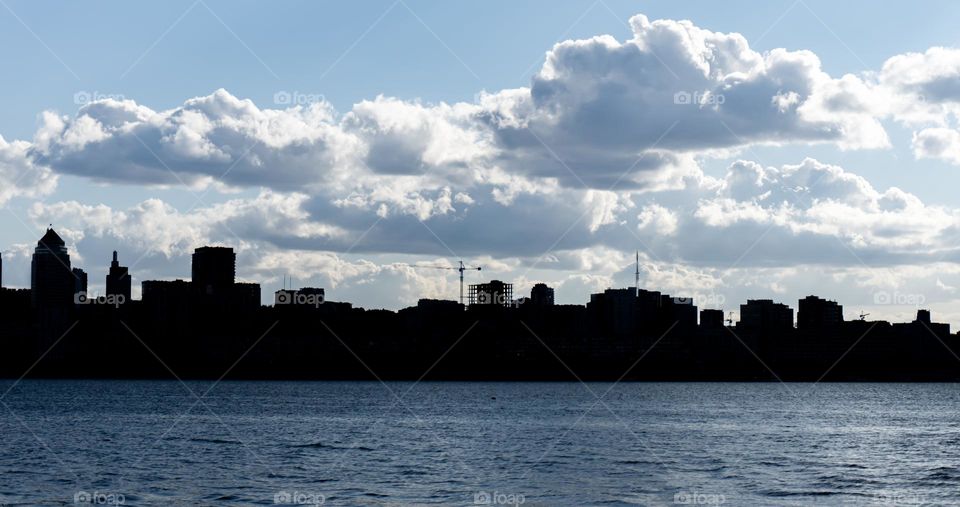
(636, 276)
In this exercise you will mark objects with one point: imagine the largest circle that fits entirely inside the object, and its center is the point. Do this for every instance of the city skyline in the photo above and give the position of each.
(199, 324)
(842, 186)
(215, 266)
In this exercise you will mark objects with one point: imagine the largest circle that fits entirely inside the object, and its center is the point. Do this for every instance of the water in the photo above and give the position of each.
(354, 443)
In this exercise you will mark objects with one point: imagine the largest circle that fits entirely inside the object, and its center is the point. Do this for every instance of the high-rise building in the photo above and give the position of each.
(817, 313)
(214, 271)
(118, 280)
(765, 315)
(616, 309)
(79, 281)
(541, 295)
(52, 282)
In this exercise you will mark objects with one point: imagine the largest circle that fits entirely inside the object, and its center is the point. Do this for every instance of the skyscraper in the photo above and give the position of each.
(817, 313)
(214, 271)
(541, 295)
(51, 279)
(118, 280)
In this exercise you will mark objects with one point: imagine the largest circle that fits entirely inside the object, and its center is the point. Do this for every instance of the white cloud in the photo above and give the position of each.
(939, 143)
(600, 113)
(660, 219)
(922, 91)
(20, 174)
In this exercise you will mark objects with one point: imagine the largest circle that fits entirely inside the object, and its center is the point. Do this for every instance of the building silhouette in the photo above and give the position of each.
(816, 313)
(52, 282)
(246, 296)
(166, 296)
(616, 310)
(493, 293)
(711, 319)
(80, 281)
(541, 295)
(214, 272)
(766, 316)
(118, 279)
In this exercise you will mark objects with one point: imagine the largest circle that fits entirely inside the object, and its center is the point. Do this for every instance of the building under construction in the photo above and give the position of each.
(493, 293)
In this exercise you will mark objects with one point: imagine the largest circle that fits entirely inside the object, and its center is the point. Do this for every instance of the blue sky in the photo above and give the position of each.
(159, 56)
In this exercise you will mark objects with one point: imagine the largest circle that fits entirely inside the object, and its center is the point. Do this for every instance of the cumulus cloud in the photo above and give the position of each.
(922, 92)
(812, 201)
(938, 143)
(600, 113)
(20, 174)
(157, 227)
(687, 89)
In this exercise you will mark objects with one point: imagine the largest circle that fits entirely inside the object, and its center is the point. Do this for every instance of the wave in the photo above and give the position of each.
(215, 441)
(321, 445)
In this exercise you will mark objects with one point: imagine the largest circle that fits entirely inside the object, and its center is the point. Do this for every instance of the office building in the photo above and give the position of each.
(52, 282)
(541, 295)
(214, 272)
(765, 315)
(817, 313)
(118, 280)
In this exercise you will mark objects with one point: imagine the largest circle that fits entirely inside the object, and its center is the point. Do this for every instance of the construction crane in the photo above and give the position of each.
(461, 268)
(863, 316)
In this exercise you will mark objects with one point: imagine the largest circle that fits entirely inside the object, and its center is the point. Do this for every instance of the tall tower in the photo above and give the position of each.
(51, 279)
(118, 279)
(636, 277)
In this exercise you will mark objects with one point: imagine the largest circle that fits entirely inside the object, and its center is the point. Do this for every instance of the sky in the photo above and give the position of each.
(745, 149)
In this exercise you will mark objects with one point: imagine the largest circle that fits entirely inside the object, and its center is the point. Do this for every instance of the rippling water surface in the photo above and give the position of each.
(366, 443)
